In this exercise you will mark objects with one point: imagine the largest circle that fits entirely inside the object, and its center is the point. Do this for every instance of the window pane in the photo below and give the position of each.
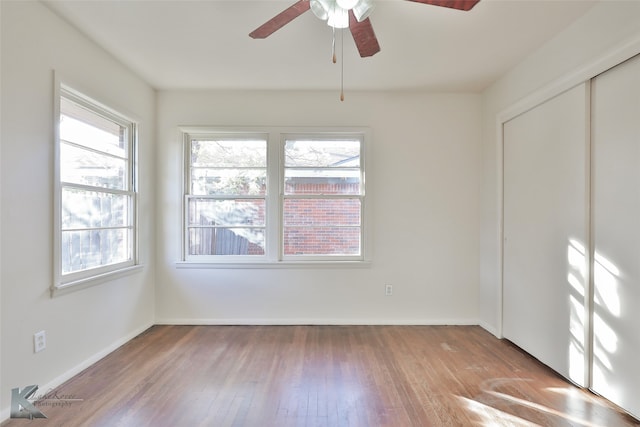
(248, 182)
(322, 153)
(82, 250)
(226, 241)
(229, 153)
(322, 226)
(322, 167)
(227, 212)
(322, 240)
(92, 209)
(96, 188)
(322, 181)
(85, 167)
(84, 127)
(313, 212)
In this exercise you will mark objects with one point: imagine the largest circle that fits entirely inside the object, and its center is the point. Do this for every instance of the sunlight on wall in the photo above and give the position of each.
(577, 277)
(606, 308)
(605, 278)
(575, 284)
(576, 256)
(605, 335)
(606, 304)
(576, 345)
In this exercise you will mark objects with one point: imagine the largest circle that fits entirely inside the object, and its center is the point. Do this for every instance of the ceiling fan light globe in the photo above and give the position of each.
(347, 4)
(319, 9)
(363, 9)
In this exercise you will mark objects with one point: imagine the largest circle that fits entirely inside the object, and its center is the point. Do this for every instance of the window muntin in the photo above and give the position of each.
(273, 197)
(96, 195)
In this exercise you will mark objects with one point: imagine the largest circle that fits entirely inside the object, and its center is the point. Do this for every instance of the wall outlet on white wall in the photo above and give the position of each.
(388, 290)
(39, 341)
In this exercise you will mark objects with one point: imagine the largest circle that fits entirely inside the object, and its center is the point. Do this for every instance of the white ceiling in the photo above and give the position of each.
(204, 44)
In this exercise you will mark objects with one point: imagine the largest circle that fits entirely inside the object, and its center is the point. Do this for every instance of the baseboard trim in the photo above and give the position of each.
(306, 321)
(59, 380)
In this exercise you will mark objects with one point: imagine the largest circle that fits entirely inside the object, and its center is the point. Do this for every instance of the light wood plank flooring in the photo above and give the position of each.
(321, 376)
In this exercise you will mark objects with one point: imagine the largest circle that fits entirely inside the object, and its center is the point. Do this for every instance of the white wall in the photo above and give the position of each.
(81, 325)
(607, 33)
(424, 182)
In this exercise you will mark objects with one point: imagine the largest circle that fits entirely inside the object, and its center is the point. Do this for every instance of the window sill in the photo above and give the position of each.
(274, 265)
(76, 285)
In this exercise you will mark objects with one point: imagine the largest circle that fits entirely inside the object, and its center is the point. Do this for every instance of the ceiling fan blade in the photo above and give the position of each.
(280, 20)
(363, 35)
(453, 4)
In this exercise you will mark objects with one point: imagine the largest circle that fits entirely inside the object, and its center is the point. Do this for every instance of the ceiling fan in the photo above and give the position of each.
(345, 13)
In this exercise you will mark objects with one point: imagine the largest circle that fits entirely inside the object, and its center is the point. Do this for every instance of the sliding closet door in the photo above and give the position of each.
(616, 235)
(545, 232)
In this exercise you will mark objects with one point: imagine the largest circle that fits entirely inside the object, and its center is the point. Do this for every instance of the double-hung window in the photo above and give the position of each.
(274, 196)
(323, 195)
(95, 191)
(226, 196)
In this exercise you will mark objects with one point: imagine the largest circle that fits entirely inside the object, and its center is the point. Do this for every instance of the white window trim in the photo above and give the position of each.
(85, 278)
(274, 257)
(200, 133)
(326, 135)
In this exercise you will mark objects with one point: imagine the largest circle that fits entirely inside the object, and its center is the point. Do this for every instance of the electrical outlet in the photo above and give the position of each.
(39, 341)
(388, 290)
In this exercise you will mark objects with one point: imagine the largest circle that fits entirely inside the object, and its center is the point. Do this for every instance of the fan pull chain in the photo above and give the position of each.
(333, 45)
(342, 65)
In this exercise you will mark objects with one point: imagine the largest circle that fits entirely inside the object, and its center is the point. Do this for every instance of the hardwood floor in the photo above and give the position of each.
(321, 376)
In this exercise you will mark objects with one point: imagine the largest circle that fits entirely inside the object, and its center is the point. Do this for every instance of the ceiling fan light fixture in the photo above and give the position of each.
(336, 12)
(347, 4)
(338, 17)
(320, 8)
(362, 10)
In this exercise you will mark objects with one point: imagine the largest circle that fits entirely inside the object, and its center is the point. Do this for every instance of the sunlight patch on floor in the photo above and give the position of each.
(546, 409)
(493, 417)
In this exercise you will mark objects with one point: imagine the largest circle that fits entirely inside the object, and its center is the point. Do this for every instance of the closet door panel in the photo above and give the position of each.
(616, 235)
(545, 232)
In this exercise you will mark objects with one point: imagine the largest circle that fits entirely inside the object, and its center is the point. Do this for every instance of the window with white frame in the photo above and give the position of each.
(227, 196)
(274, 196)
(323, 193)
(96, 195)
